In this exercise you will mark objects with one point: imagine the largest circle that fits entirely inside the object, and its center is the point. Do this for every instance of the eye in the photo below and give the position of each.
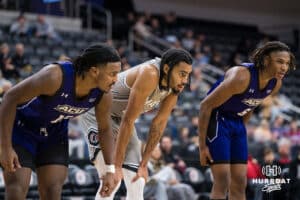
(280, 61)
(183, 74)
(113, 74)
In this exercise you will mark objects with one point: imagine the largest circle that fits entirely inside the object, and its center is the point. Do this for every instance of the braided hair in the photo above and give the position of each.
(95, 55)
(172, 57)
(265, 50)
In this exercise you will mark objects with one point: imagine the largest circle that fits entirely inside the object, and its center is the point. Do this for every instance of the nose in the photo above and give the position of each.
(285, 67)
(115, 79)
(185, 80)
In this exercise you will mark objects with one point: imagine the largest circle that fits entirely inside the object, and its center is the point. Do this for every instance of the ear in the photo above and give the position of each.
(94, 71)
(266, 60)
(166, 68)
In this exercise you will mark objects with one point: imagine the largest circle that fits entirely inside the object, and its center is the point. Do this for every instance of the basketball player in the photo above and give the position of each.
(229, 104)
(138, 90)
(34, 119)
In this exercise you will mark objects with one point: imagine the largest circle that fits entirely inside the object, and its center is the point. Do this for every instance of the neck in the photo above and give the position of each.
(164, 82)
(83, 86)
(264, 77)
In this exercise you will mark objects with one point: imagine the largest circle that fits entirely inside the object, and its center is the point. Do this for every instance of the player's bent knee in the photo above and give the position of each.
(47, 192)
(15, 192)
(239, 182)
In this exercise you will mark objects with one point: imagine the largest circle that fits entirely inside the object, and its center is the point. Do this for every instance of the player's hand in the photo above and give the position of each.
(205, 157)
(9, 160)
(108, 184)
(118, 174)
(142, 172)
(110, 181)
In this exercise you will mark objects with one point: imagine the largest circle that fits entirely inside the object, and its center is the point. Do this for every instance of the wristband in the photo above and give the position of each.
(110, 169)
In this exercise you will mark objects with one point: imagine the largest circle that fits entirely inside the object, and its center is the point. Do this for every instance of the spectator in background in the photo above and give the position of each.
(277, 127)
(8, 69)
(269, 157)
(77, 146)
(193, 129)
(253, 168)
(188, 40)
(170, 157)
(200, 59)
(161, 172)
(4, 85)
(184, 138)
(262, 133)
(20, 27)
(235, 59)
(155, 27)
(44, 29)
(142, 29)
(293, 132)
(198, 87)
(4, 52)
(217, 60)
(284, 152)
(20, 60)
(253, 172)
(170, 23)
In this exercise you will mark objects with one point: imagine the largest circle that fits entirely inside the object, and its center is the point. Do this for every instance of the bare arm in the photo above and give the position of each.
(247, 117)
(236, 81)
(45, 82)
(140, 90)
(106, 138)
(158, 125)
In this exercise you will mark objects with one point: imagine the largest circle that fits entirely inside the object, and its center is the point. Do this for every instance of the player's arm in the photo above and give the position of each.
(247, 116)
(143, 86)
(105, 135)
(158, 126)
(45, 82)
(236, 81)
(277, 88)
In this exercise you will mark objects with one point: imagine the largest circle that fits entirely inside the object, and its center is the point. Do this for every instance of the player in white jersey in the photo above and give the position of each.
(152, 84)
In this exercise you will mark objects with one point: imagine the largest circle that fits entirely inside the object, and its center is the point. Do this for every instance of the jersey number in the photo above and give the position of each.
(60, 118)
(244, 112)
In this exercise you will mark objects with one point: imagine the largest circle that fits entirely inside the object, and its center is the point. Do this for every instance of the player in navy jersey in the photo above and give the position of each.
(34, 118)
(228, 105)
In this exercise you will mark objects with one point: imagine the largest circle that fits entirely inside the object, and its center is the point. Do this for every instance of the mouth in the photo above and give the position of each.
(180, 87)
(280, 75)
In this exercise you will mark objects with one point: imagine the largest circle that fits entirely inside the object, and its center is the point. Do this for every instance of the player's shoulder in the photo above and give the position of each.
(150, 71)
(239, 74)
(52, 71)
(51, 75)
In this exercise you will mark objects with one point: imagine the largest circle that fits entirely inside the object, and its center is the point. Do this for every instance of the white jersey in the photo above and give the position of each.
(121, 91)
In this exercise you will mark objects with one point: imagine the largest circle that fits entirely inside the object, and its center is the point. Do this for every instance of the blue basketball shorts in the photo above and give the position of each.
(227, 139)
(35, 148)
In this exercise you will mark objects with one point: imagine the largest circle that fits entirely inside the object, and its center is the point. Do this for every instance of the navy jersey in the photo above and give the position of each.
(46, 112)
(241, 104)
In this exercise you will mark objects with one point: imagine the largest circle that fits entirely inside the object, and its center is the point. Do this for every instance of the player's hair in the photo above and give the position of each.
(95, 55)
(260, 53)
(172, 57)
